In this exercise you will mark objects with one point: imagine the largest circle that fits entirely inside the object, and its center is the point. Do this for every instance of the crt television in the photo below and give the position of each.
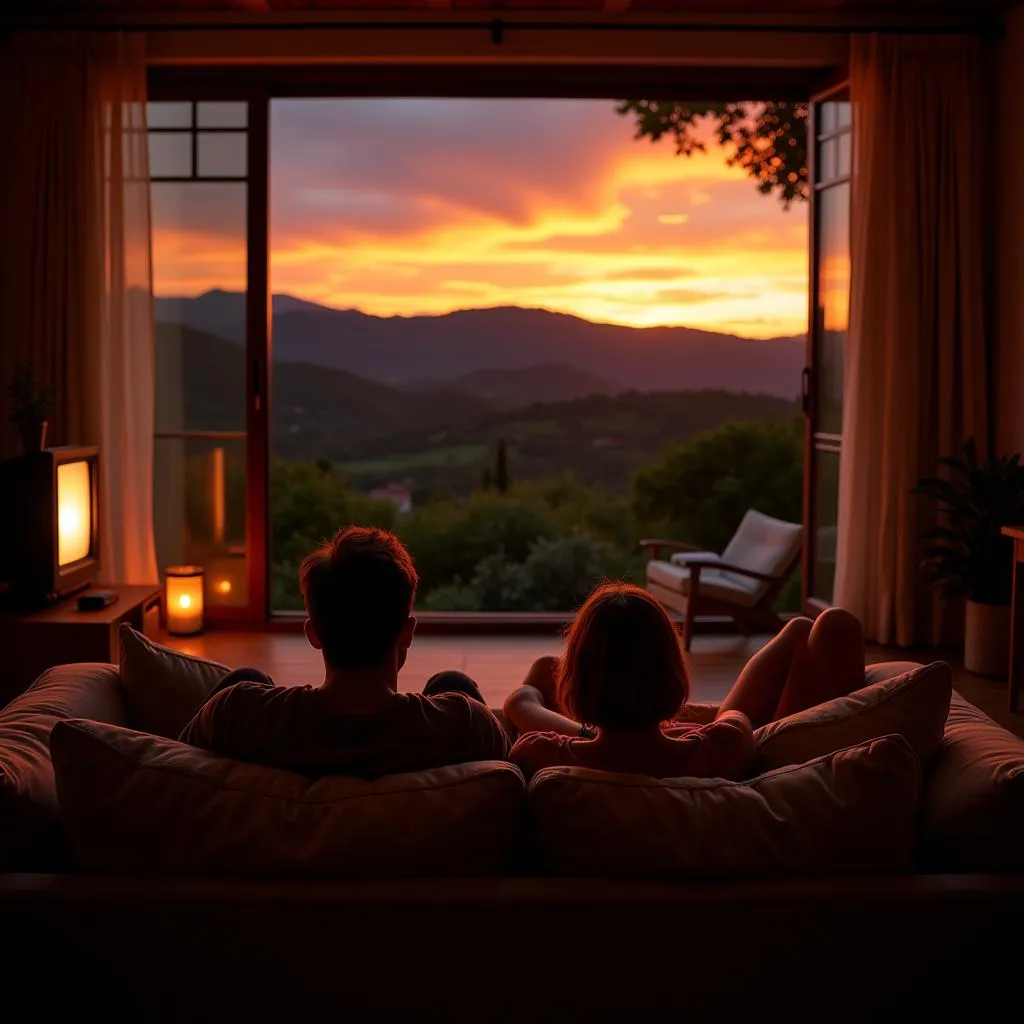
(49, 523)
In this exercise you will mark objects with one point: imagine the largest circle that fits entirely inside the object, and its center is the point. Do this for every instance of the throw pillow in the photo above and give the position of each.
(163, 688)
(853, 811)
(913, 704)
(134, 803)
(31, 838)
(973, 800)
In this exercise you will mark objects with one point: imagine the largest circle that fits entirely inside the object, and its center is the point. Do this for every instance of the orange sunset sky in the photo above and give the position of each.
(425, 206)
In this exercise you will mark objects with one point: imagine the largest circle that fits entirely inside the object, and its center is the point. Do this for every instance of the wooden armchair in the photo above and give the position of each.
(742, 582)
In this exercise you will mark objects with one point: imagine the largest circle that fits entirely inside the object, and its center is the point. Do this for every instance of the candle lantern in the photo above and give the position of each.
(184, 599)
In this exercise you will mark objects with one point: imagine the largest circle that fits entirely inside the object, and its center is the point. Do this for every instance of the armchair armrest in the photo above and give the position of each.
(656, 544)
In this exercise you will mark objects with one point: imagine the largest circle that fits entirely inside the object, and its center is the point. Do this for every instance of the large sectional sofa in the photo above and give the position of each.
(114, 902)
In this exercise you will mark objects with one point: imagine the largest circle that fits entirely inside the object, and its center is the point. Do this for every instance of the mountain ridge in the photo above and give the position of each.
(413, 350)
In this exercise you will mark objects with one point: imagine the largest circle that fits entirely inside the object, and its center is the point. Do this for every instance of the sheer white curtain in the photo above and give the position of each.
(916, 360)
(77, 285)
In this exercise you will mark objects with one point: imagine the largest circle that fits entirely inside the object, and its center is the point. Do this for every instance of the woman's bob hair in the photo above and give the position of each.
(623, 667)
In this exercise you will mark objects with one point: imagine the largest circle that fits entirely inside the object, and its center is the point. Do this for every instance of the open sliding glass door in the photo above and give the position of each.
(829, 155)
(208, 172)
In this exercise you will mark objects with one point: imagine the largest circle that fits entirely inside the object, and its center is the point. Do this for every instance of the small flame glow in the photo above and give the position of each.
(223, 586)
(184, 600)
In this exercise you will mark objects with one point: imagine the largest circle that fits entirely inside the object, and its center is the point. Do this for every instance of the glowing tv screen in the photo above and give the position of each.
(49, 515)
(74, 512)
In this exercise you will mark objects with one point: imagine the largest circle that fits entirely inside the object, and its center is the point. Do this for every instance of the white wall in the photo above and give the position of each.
(1008, 152)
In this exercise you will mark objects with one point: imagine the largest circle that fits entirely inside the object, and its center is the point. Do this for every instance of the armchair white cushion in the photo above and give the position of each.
(761, 543)
(693, 557)
(713, 582)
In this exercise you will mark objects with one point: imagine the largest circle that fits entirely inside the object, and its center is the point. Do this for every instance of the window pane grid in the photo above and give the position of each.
(177, 151)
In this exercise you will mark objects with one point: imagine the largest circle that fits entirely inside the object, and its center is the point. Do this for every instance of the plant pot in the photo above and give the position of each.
(987, 639)
(33, 435)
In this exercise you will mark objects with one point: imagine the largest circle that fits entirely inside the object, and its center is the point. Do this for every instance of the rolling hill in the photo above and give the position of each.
(509, 389)
(317, 412)
(437, 439)
(406, 351)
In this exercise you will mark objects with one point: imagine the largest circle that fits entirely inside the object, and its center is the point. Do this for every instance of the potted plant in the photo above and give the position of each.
(969, 556)
(31, 403)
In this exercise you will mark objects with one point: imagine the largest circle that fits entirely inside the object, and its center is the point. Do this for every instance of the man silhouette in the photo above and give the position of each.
(359, 590)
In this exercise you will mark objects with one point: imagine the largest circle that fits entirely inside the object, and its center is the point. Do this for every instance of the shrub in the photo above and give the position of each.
(451, 597)
(700, 489)
(501, 585)
(562, 571)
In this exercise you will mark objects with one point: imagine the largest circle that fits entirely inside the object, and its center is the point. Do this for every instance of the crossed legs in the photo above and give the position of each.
(807, 663)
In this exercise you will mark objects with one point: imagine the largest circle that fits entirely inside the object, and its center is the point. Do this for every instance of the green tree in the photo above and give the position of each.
(701, 489)
(448, 539)
(768, 140)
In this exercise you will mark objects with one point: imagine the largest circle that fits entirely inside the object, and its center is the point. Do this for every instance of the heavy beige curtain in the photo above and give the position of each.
(77, 297)
(916, 377)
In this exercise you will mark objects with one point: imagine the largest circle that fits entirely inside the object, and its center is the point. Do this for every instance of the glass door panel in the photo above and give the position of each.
(200, 234)
(831, 151)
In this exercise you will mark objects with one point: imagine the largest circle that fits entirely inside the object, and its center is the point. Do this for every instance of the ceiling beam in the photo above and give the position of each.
(615, 6)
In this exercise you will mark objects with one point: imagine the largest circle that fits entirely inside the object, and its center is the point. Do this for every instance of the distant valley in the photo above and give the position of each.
(437, 435)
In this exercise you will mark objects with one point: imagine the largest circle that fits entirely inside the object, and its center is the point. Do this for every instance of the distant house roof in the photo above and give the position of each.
(391, 491)
(398, 494)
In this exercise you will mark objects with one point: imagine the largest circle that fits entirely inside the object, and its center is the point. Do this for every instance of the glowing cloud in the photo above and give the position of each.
(424, 206)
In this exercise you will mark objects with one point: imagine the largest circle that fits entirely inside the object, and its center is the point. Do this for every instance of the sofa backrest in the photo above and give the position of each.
(973, 807)
(850, 812)
(30, 833)
(134, 803)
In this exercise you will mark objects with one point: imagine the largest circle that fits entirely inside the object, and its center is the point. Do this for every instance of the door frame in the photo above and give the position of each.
(257, 361)
(258, 86)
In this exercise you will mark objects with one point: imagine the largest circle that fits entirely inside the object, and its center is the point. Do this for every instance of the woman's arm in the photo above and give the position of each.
(730, 740)
(526, 710)
(531, 708)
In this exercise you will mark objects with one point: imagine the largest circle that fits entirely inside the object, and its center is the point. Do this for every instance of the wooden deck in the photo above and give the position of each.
(498, 663)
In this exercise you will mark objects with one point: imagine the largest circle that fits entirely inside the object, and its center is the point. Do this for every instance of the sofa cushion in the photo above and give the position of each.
(135, 803)
(164, 688)
(30, 835)
(973, 803)
(913, 704)
(853, 811)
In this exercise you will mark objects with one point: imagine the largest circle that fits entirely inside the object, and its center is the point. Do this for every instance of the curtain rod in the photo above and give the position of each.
(499, 27)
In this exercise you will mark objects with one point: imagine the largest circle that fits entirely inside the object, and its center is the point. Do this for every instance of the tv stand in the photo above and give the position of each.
(35, 641)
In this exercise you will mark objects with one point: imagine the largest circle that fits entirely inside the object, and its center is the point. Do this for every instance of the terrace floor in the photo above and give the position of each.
(498, 663)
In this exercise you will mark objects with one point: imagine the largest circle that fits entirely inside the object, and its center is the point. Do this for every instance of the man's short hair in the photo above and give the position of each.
(359, 590)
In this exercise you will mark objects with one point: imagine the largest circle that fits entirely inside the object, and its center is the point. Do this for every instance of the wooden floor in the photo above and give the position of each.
(498, 663)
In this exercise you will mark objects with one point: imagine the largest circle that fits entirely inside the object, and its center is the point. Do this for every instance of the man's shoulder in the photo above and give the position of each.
(449, 703)
(251, 694)
(460, 706)
(457, 717)
(249, 699)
